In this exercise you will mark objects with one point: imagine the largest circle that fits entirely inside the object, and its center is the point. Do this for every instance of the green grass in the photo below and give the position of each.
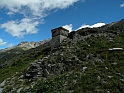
(99, 77)
(22, 63)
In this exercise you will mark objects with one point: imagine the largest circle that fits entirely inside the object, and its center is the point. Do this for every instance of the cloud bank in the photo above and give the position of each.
(21, 28)
(68, 27)
(34, 7)
(32, 10)
(2, 43)
(92, 26)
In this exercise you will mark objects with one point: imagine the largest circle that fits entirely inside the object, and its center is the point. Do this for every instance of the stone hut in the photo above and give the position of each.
(58, 35)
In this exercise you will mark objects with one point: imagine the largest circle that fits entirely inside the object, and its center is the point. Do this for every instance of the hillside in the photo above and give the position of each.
(9, 54)
(90, 60)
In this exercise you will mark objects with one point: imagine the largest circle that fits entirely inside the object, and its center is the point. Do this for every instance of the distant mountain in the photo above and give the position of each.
(89, 60)
(26, 45)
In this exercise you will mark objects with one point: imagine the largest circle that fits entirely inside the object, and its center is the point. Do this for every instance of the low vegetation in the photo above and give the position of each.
(89, 65)
(103, 75)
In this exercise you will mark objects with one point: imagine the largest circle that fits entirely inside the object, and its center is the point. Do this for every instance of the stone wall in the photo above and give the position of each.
(58, 35)
(56, 41)
(59, 31)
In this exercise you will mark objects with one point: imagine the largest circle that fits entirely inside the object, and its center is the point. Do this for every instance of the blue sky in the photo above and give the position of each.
(32, 20)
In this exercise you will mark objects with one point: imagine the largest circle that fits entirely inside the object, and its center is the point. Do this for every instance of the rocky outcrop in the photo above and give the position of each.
(29, 45)
(42, 68)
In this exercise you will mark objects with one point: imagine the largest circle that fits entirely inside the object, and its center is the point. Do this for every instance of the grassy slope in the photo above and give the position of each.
(22, 63)
(99, 77)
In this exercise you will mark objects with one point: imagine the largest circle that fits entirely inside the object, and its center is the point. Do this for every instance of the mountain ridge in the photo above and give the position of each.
(82, 62)
(26, 45)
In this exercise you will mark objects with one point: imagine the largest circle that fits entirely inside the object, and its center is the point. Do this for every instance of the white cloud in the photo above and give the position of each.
(68, 27)
(35, 7)
(32, 11)
(122, 5)
(9, 13)
(21, 28)
(2, 43)
(97, 25)
(92, 26)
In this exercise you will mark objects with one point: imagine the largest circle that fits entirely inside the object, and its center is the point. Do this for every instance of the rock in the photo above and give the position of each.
(39, 73)
(98, 77)
(114, 63)
(1, 89)
(26, 88)
(39, 62)
(114, 49)
(84, 68)
(19, 90)
(108, 92)
(122, 80)
(106, 68)
(28, 75)
(110, 76)
(3, 83)
(22, 76)
(21, 80)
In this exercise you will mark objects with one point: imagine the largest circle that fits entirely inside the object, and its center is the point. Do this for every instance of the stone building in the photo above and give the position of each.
(58, 35)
